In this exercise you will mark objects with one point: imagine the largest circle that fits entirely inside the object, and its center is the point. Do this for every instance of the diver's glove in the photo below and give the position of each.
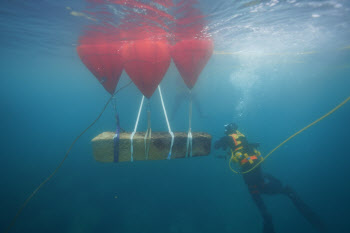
(222, 143)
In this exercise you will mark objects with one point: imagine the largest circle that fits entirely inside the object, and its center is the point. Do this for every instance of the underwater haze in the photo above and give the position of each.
(277, 66)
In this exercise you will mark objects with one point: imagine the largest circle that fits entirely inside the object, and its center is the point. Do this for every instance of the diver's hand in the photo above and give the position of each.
(222, 143)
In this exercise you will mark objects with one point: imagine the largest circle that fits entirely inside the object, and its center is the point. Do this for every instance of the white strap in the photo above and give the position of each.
(167, 121)
(189, 135)
(189, 144)
(148, 136)
(133, 133)
(148, 132)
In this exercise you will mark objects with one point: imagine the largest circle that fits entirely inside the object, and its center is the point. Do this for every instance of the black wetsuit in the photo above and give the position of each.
(259, 183)
(262, 183)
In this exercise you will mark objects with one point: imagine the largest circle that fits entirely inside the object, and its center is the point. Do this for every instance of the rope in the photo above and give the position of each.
(167, 122)
(189, 135)
(133, 133)
(229, 164)
(61, 163)
(295, 134)
(148, 133)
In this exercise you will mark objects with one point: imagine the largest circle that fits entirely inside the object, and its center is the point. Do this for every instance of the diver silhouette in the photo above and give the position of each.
(247, 155)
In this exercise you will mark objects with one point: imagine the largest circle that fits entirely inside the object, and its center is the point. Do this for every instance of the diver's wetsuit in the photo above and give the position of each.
(261, 183)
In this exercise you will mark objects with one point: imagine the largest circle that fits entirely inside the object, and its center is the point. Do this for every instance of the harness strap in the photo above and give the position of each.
(234, 139)
(189, 135)
(189, 144)
(249, 159)
(167, 121)
(133, 133)
(147, 141)
(148, 134)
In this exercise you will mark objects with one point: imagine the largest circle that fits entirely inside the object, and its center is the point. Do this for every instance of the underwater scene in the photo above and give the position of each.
(175, 116)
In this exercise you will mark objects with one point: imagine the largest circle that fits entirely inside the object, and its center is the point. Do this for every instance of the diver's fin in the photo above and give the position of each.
(313, 218)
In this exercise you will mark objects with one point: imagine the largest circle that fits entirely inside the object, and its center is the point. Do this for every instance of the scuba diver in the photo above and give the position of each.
(247, 156)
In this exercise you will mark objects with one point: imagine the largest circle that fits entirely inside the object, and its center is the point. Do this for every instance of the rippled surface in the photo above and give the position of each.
(258, 27)
(273, 26)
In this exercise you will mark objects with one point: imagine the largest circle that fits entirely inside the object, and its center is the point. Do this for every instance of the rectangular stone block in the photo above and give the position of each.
(103, 146)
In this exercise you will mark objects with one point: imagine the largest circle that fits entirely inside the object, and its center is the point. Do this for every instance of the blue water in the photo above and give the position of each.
(277, 66)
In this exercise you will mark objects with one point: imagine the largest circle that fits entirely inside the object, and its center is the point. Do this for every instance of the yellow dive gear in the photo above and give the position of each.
(240, 154)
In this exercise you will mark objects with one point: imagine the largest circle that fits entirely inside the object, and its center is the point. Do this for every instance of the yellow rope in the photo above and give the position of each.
(229, 164)
(61, 163)
(306, 127)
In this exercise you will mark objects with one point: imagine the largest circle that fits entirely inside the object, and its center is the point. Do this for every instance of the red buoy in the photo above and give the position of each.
(104, 60)
(146, 62)
(190, 57)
